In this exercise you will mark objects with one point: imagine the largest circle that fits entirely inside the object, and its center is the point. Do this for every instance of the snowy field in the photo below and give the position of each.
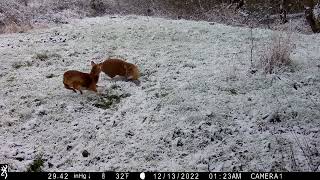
(198, 108)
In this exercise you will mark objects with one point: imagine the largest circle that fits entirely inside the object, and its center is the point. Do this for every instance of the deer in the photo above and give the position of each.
(76, 80)
(113, 67)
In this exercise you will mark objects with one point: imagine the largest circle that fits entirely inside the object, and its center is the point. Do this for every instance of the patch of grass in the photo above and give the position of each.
(233, 91)
(50, 76)
(36, 165)
(55, 55)
(44, 56)
(106, 101)
(103, 104)
(74, 54)
(114, 86)
(190, 65)
(20, 64)
(17, 65)
(163, 94)
(309, 154)
(41, 56)
(11, 79)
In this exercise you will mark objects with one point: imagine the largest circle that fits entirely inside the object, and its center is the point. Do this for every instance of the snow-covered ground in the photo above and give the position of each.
(198, 107)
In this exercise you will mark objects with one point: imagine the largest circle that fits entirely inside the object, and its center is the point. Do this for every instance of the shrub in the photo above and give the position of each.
(14, 17)
(277, 56)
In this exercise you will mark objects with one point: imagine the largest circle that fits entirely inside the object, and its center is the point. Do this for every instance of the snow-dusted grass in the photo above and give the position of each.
(198, 108)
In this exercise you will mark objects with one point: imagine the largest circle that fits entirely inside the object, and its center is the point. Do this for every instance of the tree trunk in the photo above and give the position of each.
(283, 11)
(239, 3)
(312, 15)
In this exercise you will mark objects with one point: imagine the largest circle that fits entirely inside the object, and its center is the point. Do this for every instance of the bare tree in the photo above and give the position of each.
(283, 11)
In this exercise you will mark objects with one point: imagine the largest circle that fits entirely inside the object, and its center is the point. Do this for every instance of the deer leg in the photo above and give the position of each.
(68, 87)
(77, 87)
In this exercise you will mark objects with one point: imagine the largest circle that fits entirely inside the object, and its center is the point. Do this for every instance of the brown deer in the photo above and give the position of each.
(76, 80)
(114, 67)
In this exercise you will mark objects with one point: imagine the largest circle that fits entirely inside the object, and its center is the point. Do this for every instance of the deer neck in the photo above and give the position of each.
(94, 77)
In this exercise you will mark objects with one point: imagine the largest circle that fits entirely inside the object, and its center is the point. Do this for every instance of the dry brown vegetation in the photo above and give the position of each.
(277, 55)
(21, 15)
(14, 16)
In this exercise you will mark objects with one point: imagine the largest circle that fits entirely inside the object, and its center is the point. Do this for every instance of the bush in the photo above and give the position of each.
(14, 16)
(277, 56)
(21, 15)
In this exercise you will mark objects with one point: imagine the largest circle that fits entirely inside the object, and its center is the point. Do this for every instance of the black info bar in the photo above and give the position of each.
(159, 175)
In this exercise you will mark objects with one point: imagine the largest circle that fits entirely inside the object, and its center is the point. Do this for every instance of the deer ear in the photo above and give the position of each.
(92, 63)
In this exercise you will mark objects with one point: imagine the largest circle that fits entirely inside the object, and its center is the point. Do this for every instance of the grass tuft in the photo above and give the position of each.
(36, 165)
(277, 56)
